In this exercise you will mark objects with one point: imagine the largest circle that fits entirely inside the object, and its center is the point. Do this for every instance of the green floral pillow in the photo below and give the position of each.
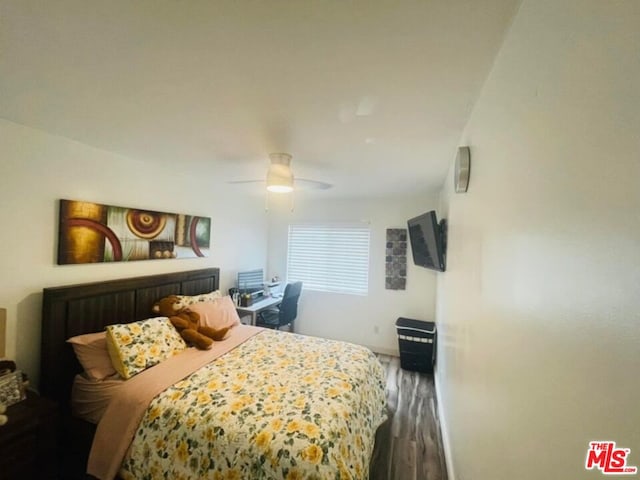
(186, 300)
(134, 347)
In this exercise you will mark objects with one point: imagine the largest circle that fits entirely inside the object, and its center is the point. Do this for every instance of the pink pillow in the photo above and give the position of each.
(217, 314)
(91, 351)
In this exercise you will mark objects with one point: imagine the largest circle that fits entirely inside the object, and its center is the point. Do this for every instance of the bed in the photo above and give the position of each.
(277, 405)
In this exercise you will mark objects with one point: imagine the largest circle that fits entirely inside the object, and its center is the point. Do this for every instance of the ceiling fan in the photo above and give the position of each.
(280, 176)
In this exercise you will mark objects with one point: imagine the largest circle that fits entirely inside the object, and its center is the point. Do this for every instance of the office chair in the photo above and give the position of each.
(286, 312)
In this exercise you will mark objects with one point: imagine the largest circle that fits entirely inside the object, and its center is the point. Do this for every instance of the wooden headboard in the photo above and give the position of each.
(86, 308)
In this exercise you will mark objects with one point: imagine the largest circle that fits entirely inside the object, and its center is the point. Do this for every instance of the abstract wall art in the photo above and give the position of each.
(396, 259)
(91, 233)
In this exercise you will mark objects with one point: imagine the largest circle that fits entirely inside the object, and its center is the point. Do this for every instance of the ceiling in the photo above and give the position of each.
(371, 96)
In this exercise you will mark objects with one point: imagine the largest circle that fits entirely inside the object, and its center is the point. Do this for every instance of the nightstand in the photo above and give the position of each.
(28, 441)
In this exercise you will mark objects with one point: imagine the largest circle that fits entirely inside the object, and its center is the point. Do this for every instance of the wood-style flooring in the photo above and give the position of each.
(409, 444)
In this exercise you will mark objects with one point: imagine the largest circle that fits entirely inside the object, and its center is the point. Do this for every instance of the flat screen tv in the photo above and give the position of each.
(427, 238)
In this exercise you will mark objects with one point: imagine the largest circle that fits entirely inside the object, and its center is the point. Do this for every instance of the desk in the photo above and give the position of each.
(257, 307)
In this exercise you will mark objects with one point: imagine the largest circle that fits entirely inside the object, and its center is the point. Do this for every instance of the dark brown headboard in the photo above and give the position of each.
(77, 309)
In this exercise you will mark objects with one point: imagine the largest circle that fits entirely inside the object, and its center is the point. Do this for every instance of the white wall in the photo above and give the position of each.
(355, 318)
(38, 169)
(539, 311)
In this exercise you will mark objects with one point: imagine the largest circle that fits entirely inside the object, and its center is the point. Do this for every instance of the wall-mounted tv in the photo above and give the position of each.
(428, 241)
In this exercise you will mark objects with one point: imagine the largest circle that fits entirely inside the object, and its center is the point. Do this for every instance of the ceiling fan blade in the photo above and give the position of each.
(316, 184)
(245, 181)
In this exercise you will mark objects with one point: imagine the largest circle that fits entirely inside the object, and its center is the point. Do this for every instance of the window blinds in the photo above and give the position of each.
(329, 258)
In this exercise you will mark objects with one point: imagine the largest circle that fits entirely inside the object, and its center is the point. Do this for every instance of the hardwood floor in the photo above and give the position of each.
(409, 444)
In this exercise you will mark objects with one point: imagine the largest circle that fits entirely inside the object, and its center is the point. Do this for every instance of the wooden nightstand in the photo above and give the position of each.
(28, 443)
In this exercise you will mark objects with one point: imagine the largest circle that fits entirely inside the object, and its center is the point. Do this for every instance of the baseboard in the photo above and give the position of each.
(444, 428)
(384, 351)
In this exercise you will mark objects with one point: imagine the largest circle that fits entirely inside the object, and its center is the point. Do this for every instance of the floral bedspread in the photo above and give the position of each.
(279, 406)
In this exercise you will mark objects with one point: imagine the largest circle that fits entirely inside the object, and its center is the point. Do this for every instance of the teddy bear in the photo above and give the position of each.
(188, 323)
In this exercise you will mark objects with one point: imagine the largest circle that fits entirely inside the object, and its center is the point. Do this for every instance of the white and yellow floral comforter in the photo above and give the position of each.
(279, 406)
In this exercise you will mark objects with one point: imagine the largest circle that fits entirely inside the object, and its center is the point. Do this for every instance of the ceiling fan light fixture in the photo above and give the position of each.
(279, 178)
(280, 188)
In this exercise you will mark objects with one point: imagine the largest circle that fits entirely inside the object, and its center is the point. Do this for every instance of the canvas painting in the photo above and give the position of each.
(91, 233)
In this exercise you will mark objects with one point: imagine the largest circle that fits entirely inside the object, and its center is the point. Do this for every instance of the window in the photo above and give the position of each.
(329, 258)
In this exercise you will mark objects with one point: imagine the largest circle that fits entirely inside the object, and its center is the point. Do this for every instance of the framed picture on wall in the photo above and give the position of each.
(92, 233)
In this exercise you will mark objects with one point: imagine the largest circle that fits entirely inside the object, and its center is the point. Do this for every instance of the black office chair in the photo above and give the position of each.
(286, 312)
